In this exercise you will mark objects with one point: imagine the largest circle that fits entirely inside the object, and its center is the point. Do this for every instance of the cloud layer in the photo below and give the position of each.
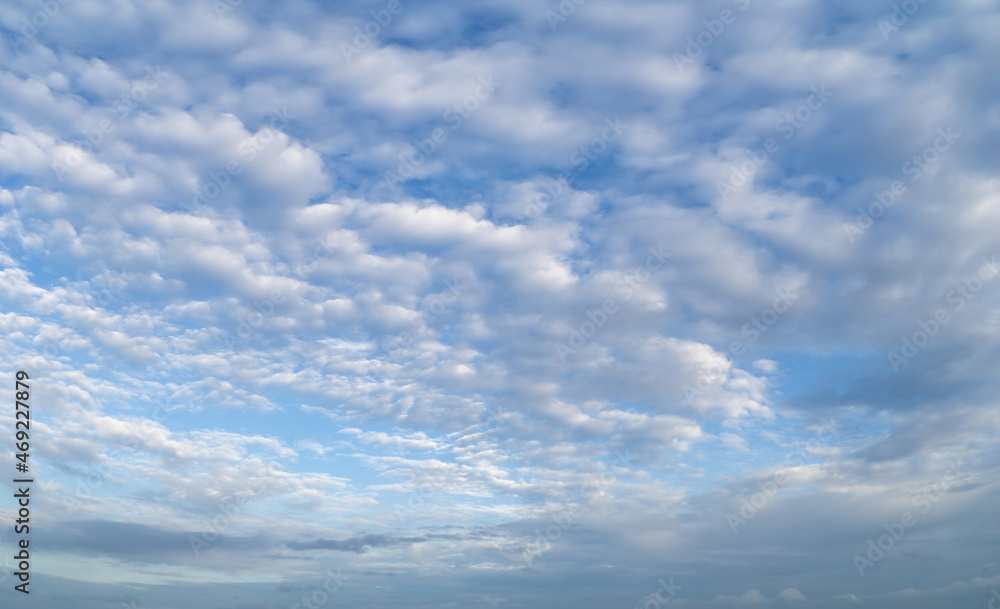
(630, 303)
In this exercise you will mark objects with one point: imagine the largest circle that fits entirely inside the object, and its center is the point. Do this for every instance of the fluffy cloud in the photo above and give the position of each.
(527, 298)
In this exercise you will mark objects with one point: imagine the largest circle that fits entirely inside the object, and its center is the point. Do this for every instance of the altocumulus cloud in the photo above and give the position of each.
(368, 289)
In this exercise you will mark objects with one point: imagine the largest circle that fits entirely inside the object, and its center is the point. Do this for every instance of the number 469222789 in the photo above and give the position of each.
(23, 420)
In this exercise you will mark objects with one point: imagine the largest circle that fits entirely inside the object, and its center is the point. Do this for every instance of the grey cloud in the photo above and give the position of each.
(358, 545)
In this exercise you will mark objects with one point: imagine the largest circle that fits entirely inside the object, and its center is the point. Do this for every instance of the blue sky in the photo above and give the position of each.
(504, 305)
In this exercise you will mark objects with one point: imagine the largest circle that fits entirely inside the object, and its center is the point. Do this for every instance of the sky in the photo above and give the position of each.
(592, 303)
